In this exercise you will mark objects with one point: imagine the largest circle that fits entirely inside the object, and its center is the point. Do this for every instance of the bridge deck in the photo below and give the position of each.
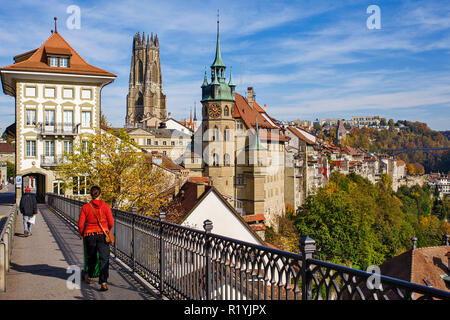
(39, 263)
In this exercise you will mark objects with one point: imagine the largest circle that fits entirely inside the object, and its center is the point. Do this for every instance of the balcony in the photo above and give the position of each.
(52, 161)
(58, 129)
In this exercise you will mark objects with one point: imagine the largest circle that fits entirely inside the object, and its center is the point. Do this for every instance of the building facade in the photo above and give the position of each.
(57, 106)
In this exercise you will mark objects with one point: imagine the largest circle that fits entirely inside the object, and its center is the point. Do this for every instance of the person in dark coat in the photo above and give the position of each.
(28, 208)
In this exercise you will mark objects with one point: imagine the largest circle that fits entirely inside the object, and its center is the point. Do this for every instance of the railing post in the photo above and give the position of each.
(133, 234)
(307, 248)
(208, 226)
(3, 253)
(445, 239)
(162, 216)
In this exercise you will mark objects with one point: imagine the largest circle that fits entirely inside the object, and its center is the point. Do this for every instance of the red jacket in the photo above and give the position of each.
(87, 222)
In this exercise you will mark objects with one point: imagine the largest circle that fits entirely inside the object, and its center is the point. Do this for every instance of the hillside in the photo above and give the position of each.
(405, 134)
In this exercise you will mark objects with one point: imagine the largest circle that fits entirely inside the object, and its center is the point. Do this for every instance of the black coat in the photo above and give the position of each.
(28, 204)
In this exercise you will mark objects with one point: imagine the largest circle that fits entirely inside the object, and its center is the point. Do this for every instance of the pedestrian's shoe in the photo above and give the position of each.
(104, 287)
(87, 279)
(25, 233)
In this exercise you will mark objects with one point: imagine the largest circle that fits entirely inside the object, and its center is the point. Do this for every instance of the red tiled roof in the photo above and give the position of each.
(427, 263)
(6, 148)
(55, 44)
(198, 179)
(167, 162)
(299, 135)
(249, 114)
(254, 217)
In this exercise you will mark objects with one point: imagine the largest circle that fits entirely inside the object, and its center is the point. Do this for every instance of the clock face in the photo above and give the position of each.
(214, 111)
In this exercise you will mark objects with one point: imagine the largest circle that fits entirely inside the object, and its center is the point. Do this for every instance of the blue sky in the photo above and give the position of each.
(305, 59)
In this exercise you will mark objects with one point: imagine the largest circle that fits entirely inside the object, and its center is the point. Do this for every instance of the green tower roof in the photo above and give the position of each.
(218, 60)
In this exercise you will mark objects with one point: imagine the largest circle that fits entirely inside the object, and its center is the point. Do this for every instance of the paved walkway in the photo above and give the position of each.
(39, 266)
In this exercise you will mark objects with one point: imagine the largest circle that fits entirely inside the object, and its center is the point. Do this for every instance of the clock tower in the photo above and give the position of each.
(218, 126)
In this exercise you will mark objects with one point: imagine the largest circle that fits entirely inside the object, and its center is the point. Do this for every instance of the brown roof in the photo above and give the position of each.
(254, 217)
(418, 265)
(37, 61)
(299, 135)
(6, 148)
(248, 114)
(167, 163)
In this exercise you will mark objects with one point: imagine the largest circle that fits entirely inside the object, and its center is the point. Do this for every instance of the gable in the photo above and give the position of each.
(222, 218)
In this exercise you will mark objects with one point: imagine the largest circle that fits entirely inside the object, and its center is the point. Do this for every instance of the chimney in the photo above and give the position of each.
(250, 96)
(200, 189)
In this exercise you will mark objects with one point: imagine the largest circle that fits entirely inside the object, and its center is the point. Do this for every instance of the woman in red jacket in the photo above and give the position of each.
(90, 230)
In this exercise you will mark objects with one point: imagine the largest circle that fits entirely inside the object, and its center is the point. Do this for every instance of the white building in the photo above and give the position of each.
(57, 105)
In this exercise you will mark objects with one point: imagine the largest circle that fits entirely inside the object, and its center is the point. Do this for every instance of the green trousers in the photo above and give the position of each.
(97, 265)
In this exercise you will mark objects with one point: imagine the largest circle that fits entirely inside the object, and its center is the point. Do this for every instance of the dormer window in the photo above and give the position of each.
(53, 62)
(62, 62)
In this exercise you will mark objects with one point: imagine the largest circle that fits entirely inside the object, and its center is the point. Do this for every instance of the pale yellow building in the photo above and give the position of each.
(57, 96)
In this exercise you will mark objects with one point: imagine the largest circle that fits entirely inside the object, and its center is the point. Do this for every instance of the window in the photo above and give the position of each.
(30, 148)
(68, 93)
(86, 93)
(165, 153)
(149, 142)
(226, 134)
(239, 125)
(49, 117)
(172, 143)
(49, 150)
(80, 185)
(53, 61)
(226, 160)
(226, 111)
(30, 117)
(68, 118)
(156, 143)
(68, 147)
(63, 62)
(215, 160)
(240, 179)
(30, 91)
(164, 143)
(49, 92)
(180, 143)
(85, 145)
(215, 136)
(58, 187)
(86, 119)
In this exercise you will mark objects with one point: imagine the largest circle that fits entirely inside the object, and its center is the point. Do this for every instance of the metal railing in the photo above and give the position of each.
(58, 128)
(185, 263)
(7, 229)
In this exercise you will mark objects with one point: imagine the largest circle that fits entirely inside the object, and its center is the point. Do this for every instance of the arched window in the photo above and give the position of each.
(215, 160)
(226, 111)
(226, 160)
(226, 134)
(215, 134)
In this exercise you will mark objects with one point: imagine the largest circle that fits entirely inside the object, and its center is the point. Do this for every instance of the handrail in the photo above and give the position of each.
(6, 240)
(186, 263)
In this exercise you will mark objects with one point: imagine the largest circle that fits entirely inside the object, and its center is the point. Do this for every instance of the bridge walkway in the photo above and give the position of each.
(39, 263)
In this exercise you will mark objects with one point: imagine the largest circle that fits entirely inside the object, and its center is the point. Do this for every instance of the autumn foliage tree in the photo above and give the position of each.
(126, 175)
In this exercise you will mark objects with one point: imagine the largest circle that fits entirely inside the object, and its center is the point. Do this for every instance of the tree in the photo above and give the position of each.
(391, 123)
(126, 175)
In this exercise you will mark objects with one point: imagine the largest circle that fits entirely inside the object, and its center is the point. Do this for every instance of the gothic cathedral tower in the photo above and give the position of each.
(145, 98)
(218, 144)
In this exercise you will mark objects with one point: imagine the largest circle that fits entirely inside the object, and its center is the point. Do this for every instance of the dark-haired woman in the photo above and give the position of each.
(92, 215)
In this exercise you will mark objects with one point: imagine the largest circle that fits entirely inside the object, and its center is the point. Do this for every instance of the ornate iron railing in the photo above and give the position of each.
(185, 263)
